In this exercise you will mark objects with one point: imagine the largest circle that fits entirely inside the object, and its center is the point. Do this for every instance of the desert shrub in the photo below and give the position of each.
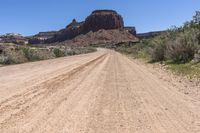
(59, 52)
(26, 53)
(13, 57)
(86, 50)
(80, 50)
(3, 59)
(70, 52)
(89, 50)
(137, 50)
(178, 45)
(34, 54)
(25, 49)
(157, 48)
(39, 54)
(158, 53)
(124, 50)
(183, 47)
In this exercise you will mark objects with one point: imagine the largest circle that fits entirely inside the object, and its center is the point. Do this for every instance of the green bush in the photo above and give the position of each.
(183, 47)
(58, 52)
(25, 49)
(158, 49)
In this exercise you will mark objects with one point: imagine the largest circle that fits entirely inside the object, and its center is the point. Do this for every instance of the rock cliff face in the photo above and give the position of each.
(41, 37)
(131, 30)
(46, 35)
(99, 19)
(72, 30)
(103, 19)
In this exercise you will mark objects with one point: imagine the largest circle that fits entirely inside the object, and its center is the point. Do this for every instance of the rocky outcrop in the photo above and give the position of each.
(113, 36)
(13, 38)
(45, 35)
(72, 30)
(103, 19)
(41, 37)
(131, 30)
(98, 20)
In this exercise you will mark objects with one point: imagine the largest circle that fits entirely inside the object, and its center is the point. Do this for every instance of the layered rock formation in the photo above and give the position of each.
(13, 38)
(131, 30)
(103, 19)
(98, 20)
(72, 30)
(46, 35)
(41, 37)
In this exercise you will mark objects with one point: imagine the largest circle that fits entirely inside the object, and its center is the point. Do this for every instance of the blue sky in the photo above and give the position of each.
(29, 17)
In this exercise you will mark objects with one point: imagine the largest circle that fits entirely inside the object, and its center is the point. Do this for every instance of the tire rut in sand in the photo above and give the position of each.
(17, 106)
(105, 93)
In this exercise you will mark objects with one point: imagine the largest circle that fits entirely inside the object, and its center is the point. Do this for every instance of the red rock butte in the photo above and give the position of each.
(97, 20)
(103, 19)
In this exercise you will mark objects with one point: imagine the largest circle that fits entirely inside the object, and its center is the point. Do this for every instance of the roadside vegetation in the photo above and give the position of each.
(178, 48)
(16, 54)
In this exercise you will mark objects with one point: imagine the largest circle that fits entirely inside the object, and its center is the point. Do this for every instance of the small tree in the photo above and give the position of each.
(196, 18)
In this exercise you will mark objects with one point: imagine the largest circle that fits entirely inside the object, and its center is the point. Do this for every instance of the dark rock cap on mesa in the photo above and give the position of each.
(104, 11)
(103, 19)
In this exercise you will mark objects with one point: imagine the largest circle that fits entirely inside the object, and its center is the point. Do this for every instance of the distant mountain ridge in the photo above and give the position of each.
(149, 34)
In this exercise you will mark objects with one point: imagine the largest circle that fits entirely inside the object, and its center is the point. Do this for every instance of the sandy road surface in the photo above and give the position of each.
(102, 92)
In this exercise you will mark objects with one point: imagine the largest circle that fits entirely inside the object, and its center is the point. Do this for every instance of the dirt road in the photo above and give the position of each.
(102, 92)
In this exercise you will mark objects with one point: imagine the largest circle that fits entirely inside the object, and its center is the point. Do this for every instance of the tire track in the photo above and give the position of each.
(101, 94)
(23, 104)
